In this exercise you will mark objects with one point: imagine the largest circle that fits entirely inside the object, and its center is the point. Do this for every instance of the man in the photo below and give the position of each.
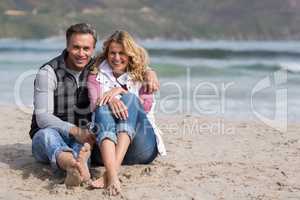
(61, 106)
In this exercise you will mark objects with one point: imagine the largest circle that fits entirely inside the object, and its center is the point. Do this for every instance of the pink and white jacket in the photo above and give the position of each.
(104, 81)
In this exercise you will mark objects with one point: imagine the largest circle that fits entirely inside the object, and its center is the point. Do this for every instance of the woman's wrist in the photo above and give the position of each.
(123, 91)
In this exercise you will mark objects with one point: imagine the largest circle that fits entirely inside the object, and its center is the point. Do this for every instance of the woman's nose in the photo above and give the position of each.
(117, 56)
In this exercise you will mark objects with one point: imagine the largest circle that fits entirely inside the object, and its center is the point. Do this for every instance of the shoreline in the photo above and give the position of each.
(29, 109)
(256, 162)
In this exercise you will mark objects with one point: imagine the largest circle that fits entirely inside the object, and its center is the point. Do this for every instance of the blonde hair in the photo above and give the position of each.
(138, 56)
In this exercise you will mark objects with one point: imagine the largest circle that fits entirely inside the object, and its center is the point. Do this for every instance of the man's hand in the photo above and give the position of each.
(83, 135)
(151, 82)
(118, 108)
(109, 95)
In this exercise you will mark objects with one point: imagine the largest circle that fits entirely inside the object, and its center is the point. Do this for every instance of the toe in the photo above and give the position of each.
(87, 147)
(98, 184)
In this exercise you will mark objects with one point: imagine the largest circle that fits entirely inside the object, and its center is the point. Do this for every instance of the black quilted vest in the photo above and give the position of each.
(71, 102)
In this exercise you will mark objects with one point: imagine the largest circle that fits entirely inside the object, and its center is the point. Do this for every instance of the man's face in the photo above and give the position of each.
(80, 50)
(117, 58)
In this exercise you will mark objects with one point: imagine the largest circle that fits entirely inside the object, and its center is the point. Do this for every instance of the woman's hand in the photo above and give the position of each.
(118, 108)
(107, 96)
(151, 83)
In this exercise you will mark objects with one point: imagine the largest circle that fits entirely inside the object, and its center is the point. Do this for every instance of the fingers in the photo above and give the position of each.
(109, 99)
(108, 96)
(152, 83)
(99, 100)
(105, 98)
(152, 87)
(119, 109)
(88, 137)
(91, 139)
(84, 135)
(123, 110)
(80, 137)
(114, 109)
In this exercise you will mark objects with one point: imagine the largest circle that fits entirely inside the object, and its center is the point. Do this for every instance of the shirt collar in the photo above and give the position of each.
(106, 69)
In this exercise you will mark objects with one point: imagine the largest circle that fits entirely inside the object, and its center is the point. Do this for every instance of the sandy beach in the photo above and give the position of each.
(207, 159)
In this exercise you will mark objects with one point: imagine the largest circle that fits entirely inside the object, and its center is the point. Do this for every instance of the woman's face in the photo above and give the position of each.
(117, 58)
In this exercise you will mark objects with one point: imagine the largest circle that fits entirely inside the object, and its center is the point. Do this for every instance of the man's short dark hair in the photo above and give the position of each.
(82, 28)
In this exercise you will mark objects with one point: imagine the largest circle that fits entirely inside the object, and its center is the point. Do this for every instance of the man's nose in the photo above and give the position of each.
(81, 52)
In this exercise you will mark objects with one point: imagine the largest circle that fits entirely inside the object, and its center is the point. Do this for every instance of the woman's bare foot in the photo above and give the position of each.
(100, 183)
(114, 187)
(81, 163)
(111, 184)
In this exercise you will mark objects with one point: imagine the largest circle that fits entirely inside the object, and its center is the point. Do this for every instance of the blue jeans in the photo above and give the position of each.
(48, 143)
(143, 147)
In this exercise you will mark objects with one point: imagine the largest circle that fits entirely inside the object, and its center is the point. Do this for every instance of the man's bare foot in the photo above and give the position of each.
(114, 188)
(100, 183)
(81, 163)
(73, 177)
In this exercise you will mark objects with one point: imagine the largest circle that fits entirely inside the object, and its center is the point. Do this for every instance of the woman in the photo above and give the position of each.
(124, 115)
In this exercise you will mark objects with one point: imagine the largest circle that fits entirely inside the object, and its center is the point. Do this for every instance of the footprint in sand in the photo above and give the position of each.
(146, 171)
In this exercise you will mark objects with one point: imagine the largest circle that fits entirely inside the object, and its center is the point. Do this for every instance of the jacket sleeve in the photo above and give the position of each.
(93, 89)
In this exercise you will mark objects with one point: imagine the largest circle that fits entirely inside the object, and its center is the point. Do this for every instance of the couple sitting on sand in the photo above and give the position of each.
(83, 104)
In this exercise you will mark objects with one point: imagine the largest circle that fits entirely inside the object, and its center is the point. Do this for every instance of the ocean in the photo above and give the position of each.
(243, 80)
